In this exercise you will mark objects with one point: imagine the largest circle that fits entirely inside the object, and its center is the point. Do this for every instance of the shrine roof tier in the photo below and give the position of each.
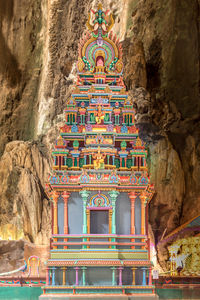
(80, 136)
(95, 88)
(109, 96)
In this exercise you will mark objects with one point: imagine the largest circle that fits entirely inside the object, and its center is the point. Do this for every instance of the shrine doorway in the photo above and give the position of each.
(99, 221)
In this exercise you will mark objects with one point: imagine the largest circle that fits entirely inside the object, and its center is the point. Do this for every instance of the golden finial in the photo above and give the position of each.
(100, 6)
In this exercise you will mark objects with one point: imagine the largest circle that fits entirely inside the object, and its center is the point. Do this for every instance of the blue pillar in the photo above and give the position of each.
(113, 159)
(53, 276)
(144, 276)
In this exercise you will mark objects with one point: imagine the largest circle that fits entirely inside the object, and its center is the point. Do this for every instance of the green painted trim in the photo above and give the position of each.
(95, 255)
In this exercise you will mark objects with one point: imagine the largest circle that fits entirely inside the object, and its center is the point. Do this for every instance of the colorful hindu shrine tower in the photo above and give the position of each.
(99, 187)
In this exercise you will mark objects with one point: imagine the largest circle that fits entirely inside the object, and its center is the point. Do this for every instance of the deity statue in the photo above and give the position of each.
(98, 159)
(101, 21)
(99, 115)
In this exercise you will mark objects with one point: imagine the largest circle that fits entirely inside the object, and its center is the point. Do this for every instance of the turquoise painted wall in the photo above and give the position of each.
(33, 293)
(20, 293)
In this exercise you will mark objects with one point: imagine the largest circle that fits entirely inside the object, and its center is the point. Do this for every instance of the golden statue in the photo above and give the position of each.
(99, 159)
(99, 115)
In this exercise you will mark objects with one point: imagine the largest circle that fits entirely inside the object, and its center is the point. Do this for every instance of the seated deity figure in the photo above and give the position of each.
(99, 115)
(98, 160)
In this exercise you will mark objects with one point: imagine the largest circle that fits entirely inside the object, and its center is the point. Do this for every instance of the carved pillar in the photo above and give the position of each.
(133, 272)
(113, 160)
(120, 275)
(66, 227)
(65, 160)
(143, 204)
(110, 223)
(132, 196)
(83, 274)
(47, 276)
(66, 197)
(136, 158)
(120, 159)
(88, 224)
(132, 161)
(84, 194)
(113, 196)
(113, 276)
(150, 276)
(140, 161)
(144, 276)
(125, 162)
(64, 275)
(88, 220)
(76, 268)
(53, 276)
(55, 213)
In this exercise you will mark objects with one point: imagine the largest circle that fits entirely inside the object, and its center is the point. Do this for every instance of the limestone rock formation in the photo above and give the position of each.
(39, 42)
(13, 253)
(25, 208)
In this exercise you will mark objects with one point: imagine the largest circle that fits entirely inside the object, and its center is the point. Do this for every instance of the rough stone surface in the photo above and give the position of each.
(170, 117)
(25, 209)
(21, 38)
(38, 46)
(13, 253)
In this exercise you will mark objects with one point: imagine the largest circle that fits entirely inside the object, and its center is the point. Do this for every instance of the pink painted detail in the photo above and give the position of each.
(120, 275)
(77, 268)
(100, 235)
(98, 208)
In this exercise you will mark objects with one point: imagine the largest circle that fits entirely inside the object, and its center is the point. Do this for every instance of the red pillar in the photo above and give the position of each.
(47, 276)
(150, 277)
(66, 227)
(132, 196)
(66, 197)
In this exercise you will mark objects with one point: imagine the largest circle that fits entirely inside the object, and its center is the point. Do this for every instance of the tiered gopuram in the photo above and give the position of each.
(100, 186)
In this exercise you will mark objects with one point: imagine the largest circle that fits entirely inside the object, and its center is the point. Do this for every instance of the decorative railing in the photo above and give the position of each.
(100, 241)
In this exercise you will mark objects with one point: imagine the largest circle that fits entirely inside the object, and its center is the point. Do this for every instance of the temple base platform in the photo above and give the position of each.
(99, 297)
(94, 292)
